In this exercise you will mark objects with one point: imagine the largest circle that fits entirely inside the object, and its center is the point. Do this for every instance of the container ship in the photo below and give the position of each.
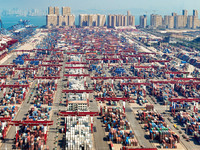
(14, 34)
(21, 30)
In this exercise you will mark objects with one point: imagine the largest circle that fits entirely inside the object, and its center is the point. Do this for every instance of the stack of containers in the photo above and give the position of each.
(14, 96)
(6, 71)
(150, 107)
(45, 93)
(104, 89)
(148, 116)
(77, 101)
(4, 127)
(56, 56)
(195, 73)
(192, 123)
(118, 127)
(8, 111)
(129, 59)
(117, 71)
(78, 133)
(146, 74)
(158, 130)
(180, 106)
(136, 92)
(163, 92)
(186, 117)
(42, 113)
(51, 71)
(27, 74)
(20, 59)
(191, 90)
(97, 69)
(33, 137)
(30, 137)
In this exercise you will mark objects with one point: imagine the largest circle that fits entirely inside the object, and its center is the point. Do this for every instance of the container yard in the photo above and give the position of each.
(98, 88)
(78, 133)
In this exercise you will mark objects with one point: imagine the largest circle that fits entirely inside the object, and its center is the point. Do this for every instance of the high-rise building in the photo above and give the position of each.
(51, 20)
(117, 20)
(174, 14)
(54, 19)
(166, 21)
(195, 13)
(195, 22)
(156, 20)
(171, 22)
(63, 20)
(190, 22)
(109, 22)
(83, 20)
(143, 21)
(66, 11)
(101, 20)
(185, 13)
(56, 10)
(120, 20)
(124, 20)
(128, 15)
(71, 20)
(50, 10)
(178, 21)
(131, 21)
(113, 21)
(92, 20)
(184, 21)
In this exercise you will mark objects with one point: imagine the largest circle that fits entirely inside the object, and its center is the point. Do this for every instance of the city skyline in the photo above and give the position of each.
(137, 8)
(41, 12)
(118, 8)
(55, 19)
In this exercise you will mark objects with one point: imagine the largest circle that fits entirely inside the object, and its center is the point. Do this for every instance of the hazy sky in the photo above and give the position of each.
(156, 6)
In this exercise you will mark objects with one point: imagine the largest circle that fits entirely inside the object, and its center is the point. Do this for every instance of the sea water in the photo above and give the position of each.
(8, 21)
(41, 20)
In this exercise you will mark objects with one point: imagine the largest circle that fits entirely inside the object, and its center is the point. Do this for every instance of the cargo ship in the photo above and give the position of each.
(21, 30)
(14, 34)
